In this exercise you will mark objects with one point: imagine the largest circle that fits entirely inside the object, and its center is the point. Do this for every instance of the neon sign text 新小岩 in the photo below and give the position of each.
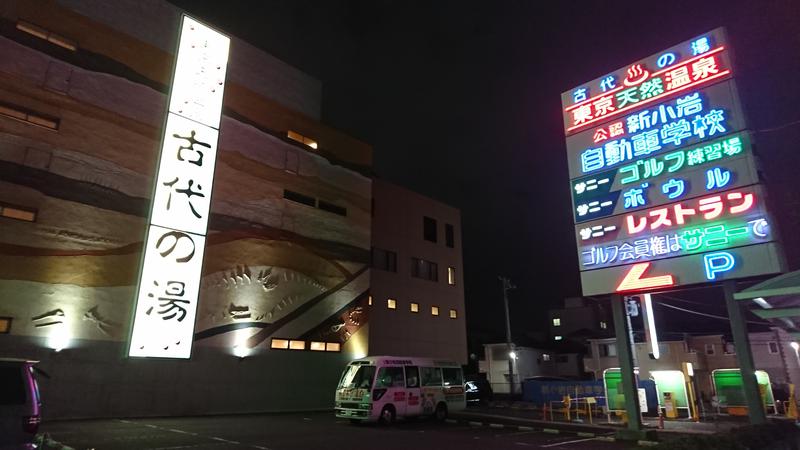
(644, 88)
(677, 126)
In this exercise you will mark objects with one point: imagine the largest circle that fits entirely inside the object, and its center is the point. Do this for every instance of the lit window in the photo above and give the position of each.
(297, 345)
(451, 276)
(5, 325)
(41, 33)
(369, 300)
(317, 346)
(391, 303)
(558, 338)
(280, 344)
(24, 115)
(545, 357)
(414, 307)
(434, 310)
(333, 347)
(603, 325)
(301, 139)
(556, 321)
(453, 314)
(773, 347)
(15, 212)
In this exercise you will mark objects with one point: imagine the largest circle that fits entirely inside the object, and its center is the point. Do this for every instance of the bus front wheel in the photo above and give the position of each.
(441, 412)
(387, 415)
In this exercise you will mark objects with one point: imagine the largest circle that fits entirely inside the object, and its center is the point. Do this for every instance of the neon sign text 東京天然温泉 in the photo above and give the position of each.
(728, 234)
(642, 87)
(668, 126)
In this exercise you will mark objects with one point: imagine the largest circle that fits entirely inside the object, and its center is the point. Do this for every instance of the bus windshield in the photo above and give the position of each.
(358, 376)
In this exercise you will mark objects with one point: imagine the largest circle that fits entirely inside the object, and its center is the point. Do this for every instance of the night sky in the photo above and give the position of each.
(461, 103)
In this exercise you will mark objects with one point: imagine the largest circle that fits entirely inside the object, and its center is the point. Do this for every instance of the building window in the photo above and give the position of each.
(449, 236)
(453, 314)
(331, 208)
(424, 269)
(710, 349)
(295, 136)
(429, 229)
(299, 198)
(773, 347)
(17, 212)
(297, 345)
(317, 346)
(556, 321)
(603, 325)
(558, 338)
(384, 259)
(451, 276)
(414, 307)
(434, 310)
(41, 33)
(369, 300)
(607, 350)
(333, 347)
(545, 357)
(5, 325)
(391, 303)
(282, 344)
(27, 116)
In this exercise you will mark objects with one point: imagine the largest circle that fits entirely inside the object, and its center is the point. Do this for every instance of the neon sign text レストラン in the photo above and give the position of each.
(643, 88)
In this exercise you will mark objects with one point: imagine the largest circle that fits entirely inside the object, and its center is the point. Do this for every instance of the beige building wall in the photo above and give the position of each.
(397, 227)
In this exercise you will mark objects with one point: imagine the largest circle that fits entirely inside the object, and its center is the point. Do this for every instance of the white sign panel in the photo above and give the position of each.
(642, 400)
(182, 197)
(168, 290)
(199, 73)
(168, 293)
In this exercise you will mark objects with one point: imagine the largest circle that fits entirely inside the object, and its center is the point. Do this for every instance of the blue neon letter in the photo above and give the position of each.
(718, 262)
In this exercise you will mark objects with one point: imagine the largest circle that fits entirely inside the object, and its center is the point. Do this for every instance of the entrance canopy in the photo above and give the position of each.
(778, 301)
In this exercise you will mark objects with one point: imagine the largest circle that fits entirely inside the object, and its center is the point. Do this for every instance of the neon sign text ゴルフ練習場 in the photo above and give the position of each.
(642, 87)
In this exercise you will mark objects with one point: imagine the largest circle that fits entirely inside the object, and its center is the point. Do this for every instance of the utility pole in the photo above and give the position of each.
(507, 285)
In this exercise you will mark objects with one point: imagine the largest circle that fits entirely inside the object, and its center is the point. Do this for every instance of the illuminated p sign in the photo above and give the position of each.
(719, 262)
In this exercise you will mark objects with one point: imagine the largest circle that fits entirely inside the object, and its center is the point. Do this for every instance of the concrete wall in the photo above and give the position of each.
(398, 227)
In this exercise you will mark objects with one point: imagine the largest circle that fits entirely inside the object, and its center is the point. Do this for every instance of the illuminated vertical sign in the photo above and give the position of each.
(169, 282)
(665, 190)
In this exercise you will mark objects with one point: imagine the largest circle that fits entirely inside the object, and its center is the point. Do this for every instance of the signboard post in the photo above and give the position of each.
(169, 281)
(665, 190)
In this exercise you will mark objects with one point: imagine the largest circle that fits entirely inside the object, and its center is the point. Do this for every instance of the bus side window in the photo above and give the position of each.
(431, 376)
(453, 377)
(412, 376)
(390, 377)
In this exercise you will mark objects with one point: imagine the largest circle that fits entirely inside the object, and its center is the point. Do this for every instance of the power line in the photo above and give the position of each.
(713, 316)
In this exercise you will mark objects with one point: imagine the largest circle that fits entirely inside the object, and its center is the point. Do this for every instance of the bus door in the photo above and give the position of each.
(413, 392)
(392, 386)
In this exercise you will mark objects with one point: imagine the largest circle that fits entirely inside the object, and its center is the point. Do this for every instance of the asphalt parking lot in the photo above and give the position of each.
(302, 431)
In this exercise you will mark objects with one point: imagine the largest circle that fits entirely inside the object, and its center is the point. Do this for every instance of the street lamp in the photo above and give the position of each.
(512, 355)
(507, 285)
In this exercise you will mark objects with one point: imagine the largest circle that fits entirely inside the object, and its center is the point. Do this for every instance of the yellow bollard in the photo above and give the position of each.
(791, 410)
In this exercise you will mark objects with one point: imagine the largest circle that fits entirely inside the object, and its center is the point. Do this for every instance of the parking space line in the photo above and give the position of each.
(568, 442)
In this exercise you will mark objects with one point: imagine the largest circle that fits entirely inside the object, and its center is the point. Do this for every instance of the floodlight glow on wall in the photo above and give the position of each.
(169, 281)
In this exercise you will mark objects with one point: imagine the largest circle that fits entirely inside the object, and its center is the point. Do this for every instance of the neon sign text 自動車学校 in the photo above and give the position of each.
(668, 126)
(642, 87)
(731, 233)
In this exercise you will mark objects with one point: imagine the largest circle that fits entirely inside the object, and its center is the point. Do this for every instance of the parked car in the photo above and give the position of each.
(20, 405)
(478, 390)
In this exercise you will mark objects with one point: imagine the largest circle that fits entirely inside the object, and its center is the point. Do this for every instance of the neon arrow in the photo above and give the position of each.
(633, 280)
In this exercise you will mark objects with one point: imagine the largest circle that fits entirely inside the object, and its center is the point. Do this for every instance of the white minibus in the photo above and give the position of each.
(385, 388)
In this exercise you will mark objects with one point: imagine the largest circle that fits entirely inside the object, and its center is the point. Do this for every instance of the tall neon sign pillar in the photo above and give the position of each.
(169, 281)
